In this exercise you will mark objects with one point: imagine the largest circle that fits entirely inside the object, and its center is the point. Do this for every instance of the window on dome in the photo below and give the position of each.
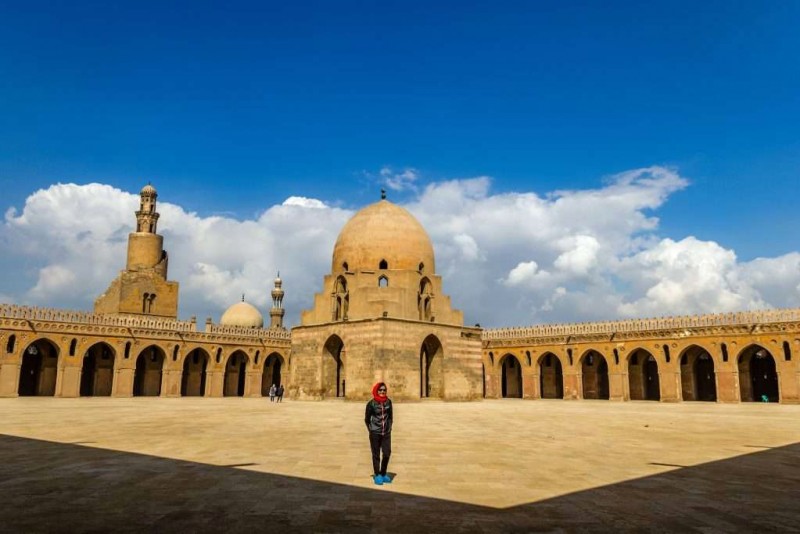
(383, 265)
(421, 267)
(345, 266)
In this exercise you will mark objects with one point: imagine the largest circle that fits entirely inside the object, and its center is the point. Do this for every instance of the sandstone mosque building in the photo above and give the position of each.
(382, 313)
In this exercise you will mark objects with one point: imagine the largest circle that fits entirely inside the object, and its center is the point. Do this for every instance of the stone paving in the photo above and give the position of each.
(238, 465)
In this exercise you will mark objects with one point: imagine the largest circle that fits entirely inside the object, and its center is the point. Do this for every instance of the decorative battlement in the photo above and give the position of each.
(266, 333)
(645, 325)
(33, 313)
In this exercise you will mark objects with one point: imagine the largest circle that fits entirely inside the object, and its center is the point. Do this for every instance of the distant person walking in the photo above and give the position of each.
(379, 418)
(280, 393)
(272, 392)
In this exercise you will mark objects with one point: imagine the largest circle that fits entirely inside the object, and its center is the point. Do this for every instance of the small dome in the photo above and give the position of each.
(242, 314)
(383, 236)
(148, 190)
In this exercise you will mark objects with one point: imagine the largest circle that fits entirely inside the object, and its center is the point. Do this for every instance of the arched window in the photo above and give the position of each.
(219, 354)
(127, 350)
(421, 267)
(787, 352)
(12, 340)
(724, 352)
(175, 354)
(425, 300)
(145, 302)
(72, 346)
(345, 267)
(383, 282)
(341, 299)
(383, 265)
(666, 353)
(528, 356)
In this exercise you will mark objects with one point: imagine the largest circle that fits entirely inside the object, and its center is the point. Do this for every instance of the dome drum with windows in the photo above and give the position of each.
(382, 266)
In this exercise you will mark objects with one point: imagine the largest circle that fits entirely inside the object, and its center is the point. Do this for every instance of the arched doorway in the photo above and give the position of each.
(273, 367)
(149, 366)
(643, 379)
(594, 370)
(333, 368)
(551, 377)
(511, 377)
(698, 380)
(758, 375)
(39, 369)
(236, 374)
(431, 377)
(97, 371)
(193, 378)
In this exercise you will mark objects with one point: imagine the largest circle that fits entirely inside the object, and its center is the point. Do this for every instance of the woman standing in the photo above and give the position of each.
(378, 418)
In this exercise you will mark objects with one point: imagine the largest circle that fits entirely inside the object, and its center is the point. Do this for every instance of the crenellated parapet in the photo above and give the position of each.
(682, 326)
(13, 312)
(50, 320)
(278, 334)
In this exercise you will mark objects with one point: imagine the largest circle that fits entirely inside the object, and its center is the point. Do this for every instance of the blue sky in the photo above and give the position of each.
(231, 109)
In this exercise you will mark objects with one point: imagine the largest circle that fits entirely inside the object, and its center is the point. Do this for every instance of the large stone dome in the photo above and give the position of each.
(383, 232)
(242, 314)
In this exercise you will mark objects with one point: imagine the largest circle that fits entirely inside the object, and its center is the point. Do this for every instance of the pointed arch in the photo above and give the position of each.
(38, 372)
(149, 370)
(758, 375)
(341, 299)
(236, 374)
(334, 383)
(698, 376)
(594, 373)
(510, 377)
(643, 379)
(551, 376)
(431, 368)
(97, 370)
(193, 376)
(425, 299)
(274, 365)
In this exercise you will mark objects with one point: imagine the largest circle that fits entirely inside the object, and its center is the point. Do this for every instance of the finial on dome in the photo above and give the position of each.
(383, 194)
(148, 190)
(242, 297)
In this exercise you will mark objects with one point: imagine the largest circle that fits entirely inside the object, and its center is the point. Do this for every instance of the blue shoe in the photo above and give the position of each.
(386, 479)
(378, 480)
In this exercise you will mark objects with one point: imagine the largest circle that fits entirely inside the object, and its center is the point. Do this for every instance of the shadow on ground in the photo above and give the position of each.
(56, 487)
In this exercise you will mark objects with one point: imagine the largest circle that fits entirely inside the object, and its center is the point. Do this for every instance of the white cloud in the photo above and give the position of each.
(507, 259)
(304, 202)
(399, 180)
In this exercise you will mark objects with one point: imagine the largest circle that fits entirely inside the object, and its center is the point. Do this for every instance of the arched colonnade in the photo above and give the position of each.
(757, 371)
(67, 367)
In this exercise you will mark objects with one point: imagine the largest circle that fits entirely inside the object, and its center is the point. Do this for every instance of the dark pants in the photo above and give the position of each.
(380, 443)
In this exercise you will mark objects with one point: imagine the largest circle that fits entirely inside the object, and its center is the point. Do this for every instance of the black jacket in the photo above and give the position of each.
(379, 416)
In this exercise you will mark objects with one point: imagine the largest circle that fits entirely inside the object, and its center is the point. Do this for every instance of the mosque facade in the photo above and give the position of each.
(382, 314)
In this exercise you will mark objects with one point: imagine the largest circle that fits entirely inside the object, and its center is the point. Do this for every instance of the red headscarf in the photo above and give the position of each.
(376, 396)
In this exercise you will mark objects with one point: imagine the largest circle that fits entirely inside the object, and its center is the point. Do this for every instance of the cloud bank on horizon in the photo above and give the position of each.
(507, 259)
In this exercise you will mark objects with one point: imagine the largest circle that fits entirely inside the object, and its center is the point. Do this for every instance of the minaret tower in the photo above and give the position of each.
(277, 311)
(146, 217)
(142, 287)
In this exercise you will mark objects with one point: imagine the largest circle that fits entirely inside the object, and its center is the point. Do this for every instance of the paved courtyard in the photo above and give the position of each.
(242, 465)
